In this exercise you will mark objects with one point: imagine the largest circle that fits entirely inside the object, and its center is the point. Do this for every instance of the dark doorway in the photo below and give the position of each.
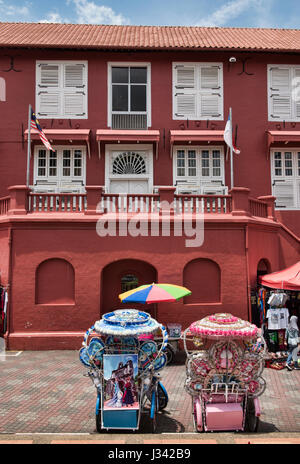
(121, 276)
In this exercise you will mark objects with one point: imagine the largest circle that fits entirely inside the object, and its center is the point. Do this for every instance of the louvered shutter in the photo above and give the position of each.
(211, 92)
(296, 92)
(284, 193)
(184, 92)
(74, 95)
(48, 90)
(280, 98)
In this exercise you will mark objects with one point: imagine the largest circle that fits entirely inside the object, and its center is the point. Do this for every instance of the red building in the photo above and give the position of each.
(136, 117)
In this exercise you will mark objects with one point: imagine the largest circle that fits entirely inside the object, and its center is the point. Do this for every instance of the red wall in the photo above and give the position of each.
(4, 256)
(246, 94)
(89, 254)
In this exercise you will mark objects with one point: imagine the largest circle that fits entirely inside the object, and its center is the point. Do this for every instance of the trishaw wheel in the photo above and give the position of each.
(169, 353)
(162, 397)
(251, 420)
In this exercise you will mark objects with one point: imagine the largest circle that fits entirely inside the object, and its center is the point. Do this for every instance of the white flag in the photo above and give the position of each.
(228, 136)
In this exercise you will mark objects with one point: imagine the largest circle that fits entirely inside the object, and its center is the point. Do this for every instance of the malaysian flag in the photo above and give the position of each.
(34, 124)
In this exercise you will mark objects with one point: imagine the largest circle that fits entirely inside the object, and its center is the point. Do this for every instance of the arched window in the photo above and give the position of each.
(129, 163)
(263, 267)
(2, 89)
(55, 282)
(203, 277)
(129, 282)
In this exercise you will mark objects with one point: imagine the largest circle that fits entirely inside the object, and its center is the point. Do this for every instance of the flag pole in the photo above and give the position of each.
(28, 147)
(231, 151)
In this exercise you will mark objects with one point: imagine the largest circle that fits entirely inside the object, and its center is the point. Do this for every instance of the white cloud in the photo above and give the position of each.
(88, 12)
(10, 12)
(233, 9)
(53, 18)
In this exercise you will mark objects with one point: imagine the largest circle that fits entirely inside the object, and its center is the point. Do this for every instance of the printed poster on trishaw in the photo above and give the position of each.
(120, 373)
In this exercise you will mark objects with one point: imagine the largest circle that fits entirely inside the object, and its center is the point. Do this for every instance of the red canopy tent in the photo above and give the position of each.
(288, 279)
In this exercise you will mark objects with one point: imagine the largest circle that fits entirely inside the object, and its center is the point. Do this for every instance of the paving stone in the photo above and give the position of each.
(57, 398)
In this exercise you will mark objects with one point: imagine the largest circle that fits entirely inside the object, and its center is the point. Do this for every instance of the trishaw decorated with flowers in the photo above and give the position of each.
(225, 360)
(123, 361)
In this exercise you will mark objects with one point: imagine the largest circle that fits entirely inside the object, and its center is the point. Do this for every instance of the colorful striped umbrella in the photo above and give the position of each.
(154, 293)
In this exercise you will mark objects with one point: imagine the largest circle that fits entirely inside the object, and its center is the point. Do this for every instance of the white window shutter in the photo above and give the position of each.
(296, 92)
(48, 90)
(209, 77)
(74, 104)
(185, 105)
(74, 75)
(184, 77)
(209, 105)
(197, 91)
(185, 96)
(74, 95)
(49, 76)
(61, 89)
(284, 193)
(280, 93)
(48, 103)
(211, 92)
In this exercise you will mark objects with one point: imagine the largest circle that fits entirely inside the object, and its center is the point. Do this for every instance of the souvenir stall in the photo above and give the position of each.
(223, 373)
(279, 298)
(124, 363)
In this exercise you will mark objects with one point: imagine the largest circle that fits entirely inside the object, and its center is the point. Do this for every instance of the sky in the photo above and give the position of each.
(222, 13)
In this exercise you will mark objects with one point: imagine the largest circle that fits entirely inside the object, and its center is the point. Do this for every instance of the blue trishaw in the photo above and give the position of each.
(124, 361)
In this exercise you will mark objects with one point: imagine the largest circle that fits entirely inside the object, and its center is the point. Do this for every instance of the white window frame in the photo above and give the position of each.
(199, 92)
(294, 180)
(59, 181)
(129, 64)
(111, 149)
(200, 182)
(61, 88)
(293, 93)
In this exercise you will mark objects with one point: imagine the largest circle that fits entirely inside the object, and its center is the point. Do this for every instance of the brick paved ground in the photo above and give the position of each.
(46, 392)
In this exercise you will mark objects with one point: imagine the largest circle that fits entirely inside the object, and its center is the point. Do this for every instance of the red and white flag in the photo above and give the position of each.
(228, 136)
(34, 124)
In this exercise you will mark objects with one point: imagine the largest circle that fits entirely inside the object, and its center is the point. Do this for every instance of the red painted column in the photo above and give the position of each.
(18, 199)
(93, 195)
(270, 200)
(166, 198)
(240, 201)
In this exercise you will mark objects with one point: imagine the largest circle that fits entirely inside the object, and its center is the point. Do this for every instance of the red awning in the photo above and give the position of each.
(135, 136)
(62, 134)
(283, 136)
(288, 279)
(196, 136)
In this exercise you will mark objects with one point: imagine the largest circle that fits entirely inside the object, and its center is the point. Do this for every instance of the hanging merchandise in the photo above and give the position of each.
(277, 318)
(277, 299)
(261, 301)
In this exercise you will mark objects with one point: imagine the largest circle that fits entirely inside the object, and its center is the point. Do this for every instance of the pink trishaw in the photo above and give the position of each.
(225, 360)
